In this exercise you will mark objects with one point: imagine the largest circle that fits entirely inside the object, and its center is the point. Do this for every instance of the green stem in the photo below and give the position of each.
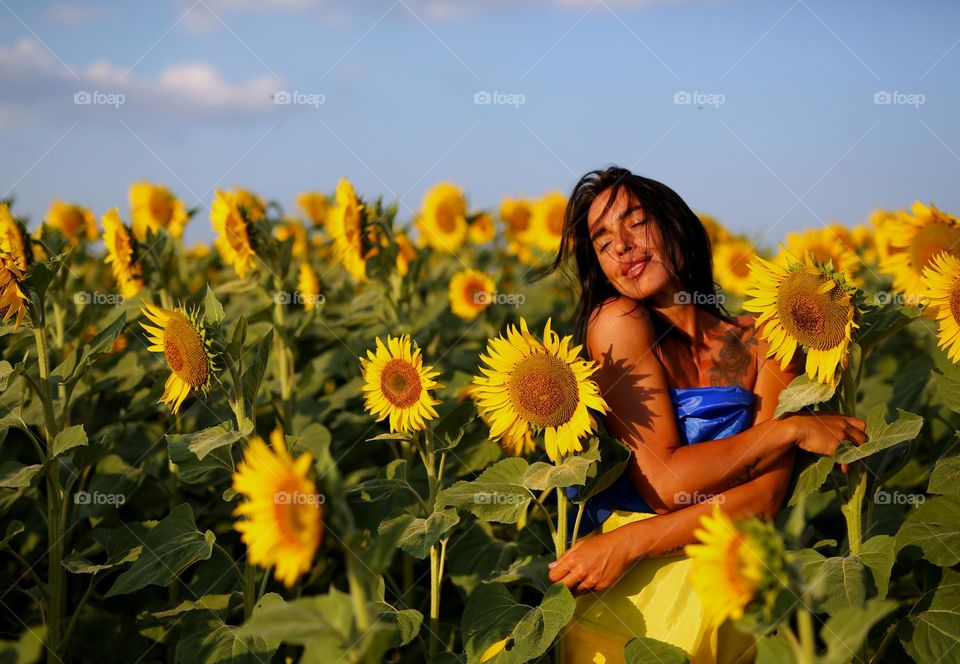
(358, 595)
(853, 507)
(561, 541)
(284, 368)
(807, 641)
(249, 588)
(576, 523)
(434, 600)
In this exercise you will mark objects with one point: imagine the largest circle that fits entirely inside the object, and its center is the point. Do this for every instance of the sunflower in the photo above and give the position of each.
(153, 207)
(443, 218)
(12, 237)
(731, 264)
(397, 384)
(825, 245)
(516, 215)
(727, 566)
(345, 224)
(803, 304)
(528, 384)
(13, 301)
(547, 220)
(482, 228)
(315, 206)
(471, 291)
(282, 523)
(406, 252)
(885, 224)
(524, 444)
(918, 237)
(230, 216)
(252, 205)
(716, 231)
(308, 285)
(942, 280)
(121, 254)
(182, 339)
(295, 230)
(74, 221)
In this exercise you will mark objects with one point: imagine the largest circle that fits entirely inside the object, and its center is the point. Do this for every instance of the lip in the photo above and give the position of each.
(635, 268)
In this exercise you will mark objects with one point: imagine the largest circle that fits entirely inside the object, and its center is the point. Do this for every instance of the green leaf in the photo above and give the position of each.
(408, 621)
(417, 535)
(69, 438)
(207, 639)
(945, 478)
(449, 430)
(811, 478)
(879, 553)
(328, 617)
(204, 442)
(212, 309)
(934, 527)
(25, 650)
(932, 635)
(838, 582)
(492, 614)
(800, 393)
(193, 470)
(121, 545)
(572, 471)
(882, 434)
(642, 649)
(498, 494)
(9, 373)
(170, 548)
(15, 475)
(948, 384)
(846, 629)
(879, 324)
(614, 457)
(253, 375)
(776, 650)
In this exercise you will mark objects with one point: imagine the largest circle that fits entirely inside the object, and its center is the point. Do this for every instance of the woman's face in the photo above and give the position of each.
(628, 246)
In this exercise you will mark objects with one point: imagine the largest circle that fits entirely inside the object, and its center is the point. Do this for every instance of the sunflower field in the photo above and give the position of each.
(343, 433)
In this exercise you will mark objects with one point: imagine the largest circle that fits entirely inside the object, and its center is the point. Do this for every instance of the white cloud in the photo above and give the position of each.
(36, 84)
(74, 14)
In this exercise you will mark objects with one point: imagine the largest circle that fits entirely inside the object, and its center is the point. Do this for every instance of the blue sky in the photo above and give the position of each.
(784, 130)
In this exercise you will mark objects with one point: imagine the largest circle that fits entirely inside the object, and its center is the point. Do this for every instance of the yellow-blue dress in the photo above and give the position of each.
(655, 598)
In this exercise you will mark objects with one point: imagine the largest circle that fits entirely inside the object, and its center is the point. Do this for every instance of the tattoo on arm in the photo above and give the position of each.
(750, 471)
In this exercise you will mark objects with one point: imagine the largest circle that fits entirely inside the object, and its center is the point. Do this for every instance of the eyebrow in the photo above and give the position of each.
(626, 213)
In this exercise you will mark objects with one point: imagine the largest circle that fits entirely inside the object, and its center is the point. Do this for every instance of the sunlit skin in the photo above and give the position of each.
(749, 472)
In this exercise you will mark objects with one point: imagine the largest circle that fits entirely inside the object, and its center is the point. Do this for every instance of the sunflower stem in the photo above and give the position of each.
(430, 464)
(561, 522)
(852, 507)
(357, 595)
(576, 523)
(283, 356)
(56, 596)
(807, 640)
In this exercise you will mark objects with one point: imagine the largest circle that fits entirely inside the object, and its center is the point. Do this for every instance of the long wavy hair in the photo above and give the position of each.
(686, 245)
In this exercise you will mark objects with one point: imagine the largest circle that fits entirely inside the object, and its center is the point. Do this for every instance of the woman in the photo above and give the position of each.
(675, 369)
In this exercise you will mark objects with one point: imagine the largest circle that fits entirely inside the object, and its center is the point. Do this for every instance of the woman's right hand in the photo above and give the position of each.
(822, 433)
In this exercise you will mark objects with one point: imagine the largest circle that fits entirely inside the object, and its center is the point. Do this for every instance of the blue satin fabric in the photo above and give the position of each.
(703, 413)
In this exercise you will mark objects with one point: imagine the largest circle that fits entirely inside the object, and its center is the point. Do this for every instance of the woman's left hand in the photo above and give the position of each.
(593, 564)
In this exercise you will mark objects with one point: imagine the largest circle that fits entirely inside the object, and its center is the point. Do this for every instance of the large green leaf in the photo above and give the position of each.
(170, 548)
(933, 635)
(498, 494)
(15, 475)
(801, 393)
(192, 470)
(846, 630)
(492, 615)
(934, 527)
(882, 434)
(838, 582)
(811, 478)
(945, 478)
(206, 441)
(572, 471)
(69, 438)
(643, 649)
(879, 553)
(207, 639)
(417, 535)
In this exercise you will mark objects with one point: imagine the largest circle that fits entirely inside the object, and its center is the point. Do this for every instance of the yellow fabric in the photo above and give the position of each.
(654, 599)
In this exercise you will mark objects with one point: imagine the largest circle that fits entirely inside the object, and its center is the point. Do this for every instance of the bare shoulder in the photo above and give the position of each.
(619, 323)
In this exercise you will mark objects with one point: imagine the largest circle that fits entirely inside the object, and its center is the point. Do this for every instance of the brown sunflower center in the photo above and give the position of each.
(185, 352)
(400, 383)
(161, 207)
(816, 320)
(236, 232)
(475, 293)
(555, 222)
(741, 266)
(446, 218)
(543, 389)
(296, 511)
(955, 301)
(930, 241)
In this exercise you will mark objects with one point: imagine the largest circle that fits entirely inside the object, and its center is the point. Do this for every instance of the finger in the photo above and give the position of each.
(571, 580)
(558, 570)
(858, 423)
(856, 436)
(844, 467)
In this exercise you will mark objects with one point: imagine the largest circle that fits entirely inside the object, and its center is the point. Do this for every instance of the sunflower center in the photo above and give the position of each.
(400, 383)
(741, 266)
(185, 352)
(555, 223)
(446, 218)
(297, 514)
(543, 390)
(160, 207)
(236, 232)
(955, 301)
(930, 241)
(816, 320)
